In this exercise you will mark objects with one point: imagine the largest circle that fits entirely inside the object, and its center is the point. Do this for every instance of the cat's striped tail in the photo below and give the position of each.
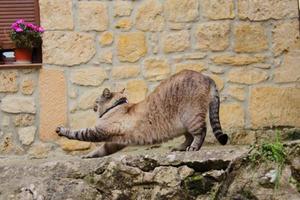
(214, 105)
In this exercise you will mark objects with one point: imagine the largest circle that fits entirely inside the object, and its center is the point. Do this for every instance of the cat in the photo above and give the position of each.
(178, 106)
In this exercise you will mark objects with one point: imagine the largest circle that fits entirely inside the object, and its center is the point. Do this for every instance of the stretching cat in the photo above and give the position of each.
(178, 106)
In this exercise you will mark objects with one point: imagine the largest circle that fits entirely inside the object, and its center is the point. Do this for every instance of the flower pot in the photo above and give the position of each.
(23, 55)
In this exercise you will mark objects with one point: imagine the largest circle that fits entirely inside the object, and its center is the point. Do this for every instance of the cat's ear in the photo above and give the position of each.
(106, 93)
(122, 91)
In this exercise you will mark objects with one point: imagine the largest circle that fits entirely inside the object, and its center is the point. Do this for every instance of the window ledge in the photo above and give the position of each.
(21, 66)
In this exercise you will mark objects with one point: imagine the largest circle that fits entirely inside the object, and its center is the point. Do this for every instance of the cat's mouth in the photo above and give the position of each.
(117, 103)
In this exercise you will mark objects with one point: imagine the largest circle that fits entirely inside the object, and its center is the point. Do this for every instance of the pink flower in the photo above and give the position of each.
(14, 25)
(32, 26)
(19, 30)
(41, 29)
(19, 21)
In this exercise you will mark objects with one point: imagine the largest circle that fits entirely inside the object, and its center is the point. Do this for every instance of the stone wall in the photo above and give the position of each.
(250, 48)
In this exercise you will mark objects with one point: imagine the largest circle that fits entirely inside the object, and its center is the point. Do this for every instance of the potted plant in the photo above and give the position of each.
(25, 36)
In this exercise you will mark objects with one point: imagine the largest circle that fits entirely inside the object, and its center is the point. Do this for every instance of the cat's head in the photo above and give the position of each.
(109, 100)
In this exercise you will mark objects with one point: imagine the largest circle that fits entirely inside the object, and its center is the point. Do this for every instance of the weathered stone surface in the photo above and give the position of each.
(106, 56)
(181, 10)
(237, 92)
(250, 37)
(232, 116)
(26, 135)
(122, 8)
(242, 137)
(289, 71)
(176, 41)
(212, 36)
(189, 56)
(8, 81)
(27, 87)
(88, 98)
(179, 25)
(124, 24)
(53, 11)
(53, 102)
(24, 120)
(8, 146)
(247, 76)
(5, 122)
(218, 9)
(15, 104)
(136, 90)
(199, 66)
(218, 80)
(285, 34)
(92, 16)
(263, 10)
(217, 69)
(68, 48)
(131, 46)
(156, 69)
(83, 119)
(149, 16)
(274, 106)
(88, 76)
(40, 150)
(73, 145)
(124, 72)
(106, 38)
(237, 60)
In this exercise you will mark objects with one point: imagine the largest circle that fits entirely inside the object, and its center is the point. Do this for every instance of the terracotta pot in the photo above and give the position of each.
(23, 55)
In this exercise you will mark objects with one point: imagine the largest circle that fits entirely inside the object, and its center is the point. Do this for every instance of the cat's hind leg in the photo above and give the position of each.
(104, 150)
(188, 141)
(198, 140)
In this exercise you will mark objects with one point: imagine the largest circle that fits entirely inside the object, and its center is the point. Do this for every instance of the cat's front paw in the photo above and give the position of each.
(59, 130)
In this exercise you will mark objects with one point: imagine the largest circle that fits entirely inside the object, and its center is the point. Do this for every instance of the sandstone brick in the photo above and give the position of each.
(237, 92)
(53, 102)
(250, 37)
(124, 24)
(88, 98)
(106, 38)
(285, 34)
(18, 104)
(106, 56)
(179, 25)
(218, 80)
(8, 81)
(260, 10)
(24, 120)
(199, 66)
(53, 11)
(88, 76)
(189, 56)
(217, 69)
(124, 72)
(73, 145)
(92, 15)
(156, 69)
(232, 116)
(247, 76)
(68, 48)
(40, 150)
(237, 60)
(83, 119)
(149, 16)
(26, 135)
(181, 10)
(136, 90)
(122, 8)
(8, 146)
(27, 87)
(289, 71)
(274, 106)
(176, 41)
(212, 36)
(131, 46)
(218, 9)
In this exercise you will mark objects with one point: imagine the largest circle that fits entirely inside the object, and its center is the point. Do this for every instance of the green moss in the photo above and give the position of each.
(197, 184)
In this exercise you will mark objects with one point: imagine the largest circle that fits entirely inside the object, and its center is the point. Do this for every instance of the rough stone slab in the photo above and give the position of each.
(88, 76)
(176, 41)
(218, 9)
(16, 104)
(156, 69)
(53, 102)
(181, 10)
(8, 81)
(26, 135)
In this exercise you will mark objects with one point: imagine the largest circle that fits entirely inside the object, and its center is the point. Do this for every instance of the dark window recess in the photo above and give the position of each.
(10, 11)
